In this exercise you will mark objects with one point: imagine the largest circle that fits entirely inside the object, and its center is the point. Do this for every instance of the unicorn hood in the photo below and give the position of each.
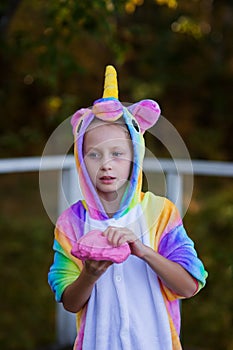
(137, 117)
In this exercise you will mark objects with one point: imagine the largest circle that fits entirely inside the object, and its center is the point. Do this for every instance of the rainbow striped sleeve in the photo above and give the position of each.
(66, 268)
(169, 238)
(63, 271)
(178, 247)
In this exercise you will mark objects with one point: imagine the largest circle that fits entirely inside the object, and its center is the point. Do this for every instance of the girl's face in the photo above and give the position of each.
(108, 156)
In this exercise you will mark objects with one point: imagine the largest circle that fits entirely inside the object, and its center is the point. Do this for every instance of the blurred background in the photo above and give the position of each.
(52, 61)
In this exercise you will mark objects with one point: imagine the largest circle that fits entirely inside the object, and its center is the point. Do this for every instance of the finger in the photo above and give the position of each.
(126, 236)
(104, 265)
(107, 231)
(97, 268)
(120, 236)
(107, 263)
(117, 235)
(122, 240)
(110, 234)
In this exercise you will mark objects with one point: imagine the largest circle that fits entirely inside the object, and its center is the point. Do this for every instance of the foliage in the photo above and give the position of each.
(177, 52)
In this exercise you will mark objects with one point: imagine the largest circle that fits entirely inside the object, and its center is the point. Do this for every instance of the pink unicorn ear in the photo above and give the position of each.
(77, 116)
(146, 112)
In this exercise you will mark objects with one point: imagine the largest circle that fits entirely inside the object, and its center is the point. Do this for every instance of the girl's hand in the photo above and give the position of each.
(77, 294)
(119, 235)
(96, 268)
(173, 275)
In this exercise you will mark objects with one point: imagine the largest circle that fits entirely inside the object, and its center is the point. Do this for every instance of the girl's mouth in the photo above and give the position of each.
(107, 179)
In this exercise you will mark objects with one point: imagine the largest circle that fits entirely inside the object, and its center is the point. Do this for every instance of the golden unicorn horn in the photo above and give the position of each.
(110, 83)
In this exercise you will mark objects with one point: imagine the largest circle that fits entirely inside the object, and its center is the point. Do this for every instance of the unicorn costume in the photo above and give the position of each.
(129, 308)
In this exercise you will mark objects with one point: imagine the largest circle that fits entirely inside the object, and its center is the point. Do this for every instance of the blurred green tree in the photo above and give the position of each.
(54, 53)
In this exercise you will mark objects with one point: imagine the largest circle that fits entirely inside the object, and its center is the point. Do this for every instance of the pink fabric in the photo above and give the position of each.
(77, 116)
(110, 110)
(146, 112)
(95, 246)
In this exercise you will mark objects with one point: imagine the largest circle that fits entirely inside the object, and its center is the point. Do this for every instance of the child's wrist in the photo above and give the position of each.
(147, 251)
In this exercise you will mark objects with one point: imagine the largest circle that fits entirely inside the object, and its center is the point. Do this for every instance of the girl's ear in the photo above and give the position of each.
(77, 116)
(146, 112)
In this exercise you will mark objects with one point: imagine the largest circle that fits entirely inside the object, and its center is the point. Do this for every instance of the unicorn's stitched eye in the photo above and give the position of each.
(79, 126)
(135, 125)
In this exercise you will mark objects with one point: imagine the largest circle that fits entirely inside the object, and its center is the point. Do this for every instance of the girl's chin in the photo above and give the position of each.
(112, 193)
(108, 196)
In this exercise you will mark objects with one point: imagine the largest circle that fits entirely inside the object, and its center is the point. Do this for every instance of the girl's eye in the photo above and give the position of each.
(93, 155)
(117, 154)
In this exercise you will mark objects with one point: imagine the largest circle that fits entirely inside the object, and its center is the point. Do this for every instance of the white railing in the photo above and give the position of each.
(174, 171)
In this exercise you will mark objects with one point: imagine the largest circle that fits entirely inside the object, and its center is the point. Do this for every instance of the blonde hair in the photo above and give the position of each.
(98, 122)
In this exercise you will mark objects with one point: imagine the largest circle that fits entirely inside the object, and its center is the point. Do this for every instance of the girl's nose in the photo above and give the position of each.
(106, 164)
